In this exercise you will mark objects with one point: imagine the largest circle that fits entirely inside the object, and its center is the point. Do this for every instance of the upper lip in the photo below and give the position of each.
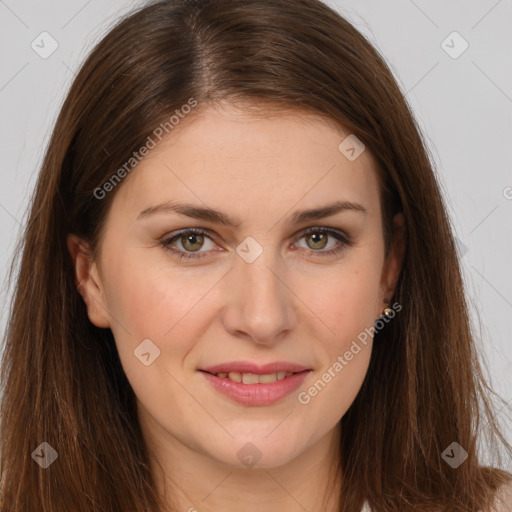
(250, 367)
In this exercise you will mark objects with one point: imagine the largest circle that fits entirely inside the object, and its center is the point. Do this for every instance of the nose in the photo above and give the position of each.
(260, 305)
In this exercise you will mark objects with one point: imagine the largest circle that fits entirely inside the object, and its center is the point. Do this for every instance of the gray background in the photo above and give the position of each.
(463, 104)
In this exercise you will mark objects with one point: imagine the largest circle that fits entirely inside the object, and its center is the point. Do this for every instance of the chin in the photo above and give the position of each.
(258, 452)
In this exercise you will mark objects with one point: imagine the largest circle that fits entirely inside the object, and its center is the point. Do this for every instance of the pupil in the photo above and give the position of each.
(192, 239)
(318, 238)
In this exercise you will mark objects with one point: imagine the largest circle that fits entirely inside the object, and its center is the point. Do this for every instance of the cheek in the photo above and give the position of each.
(149, 296)
(345, 304)
(162, 303)
(344, 363)
(333, 391)
(344, 300)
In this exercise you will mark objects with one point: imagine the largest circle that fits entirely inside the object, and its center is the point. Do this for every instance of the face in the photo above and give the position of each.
(259, 290)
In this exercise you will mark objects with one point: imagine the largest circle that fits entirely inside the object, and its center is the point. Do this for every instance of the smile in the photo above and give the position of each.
(264, 385)
(254, 378)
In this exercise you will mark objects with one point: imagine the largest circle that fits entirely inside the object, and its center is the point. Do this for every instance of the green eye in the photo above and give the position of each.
(193, 240)
(319, 239)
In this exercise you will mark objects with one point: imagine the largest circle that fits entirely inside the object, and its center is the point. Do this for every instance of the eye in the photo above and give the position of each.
(193, 240)
(190, 240)
(319, 240)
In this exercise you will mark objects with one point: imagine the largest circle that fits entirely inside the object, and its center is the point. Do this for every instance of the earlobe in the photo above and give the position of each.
(88, 281)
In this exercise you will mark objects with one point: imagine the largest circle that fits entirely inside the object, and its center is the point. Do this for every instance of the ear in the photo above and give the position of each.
(88, 281)
(393, 262)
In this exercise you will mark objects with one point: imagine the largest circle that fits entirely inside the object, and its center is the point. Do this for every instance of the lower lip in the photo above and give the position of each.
(257, 394)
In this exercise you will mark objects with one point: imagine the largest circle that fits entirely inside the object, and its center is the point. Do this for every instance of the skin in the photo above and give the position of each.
(290, 304)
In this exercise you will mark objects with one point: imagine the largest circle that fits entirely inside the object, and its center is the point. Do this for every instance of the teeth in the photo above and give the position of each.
(252, 378)
(235, 377)
(267, 379)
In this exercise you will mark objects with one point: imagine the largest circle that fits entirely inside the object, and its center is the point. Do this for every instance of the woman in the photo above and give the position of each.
(238, 285)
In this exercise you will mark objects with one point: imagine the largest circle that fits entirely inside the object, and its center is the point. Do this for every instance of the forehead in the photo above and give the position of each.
(234, 158)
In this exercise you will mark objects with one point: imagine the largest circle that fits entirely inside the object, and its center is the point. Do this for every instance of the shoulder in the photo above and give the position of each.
(503, 499)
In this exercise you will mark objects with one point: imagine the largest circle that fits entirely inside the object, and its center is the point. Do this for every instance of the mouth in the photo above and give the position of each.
(247, 372)
(254, 378)
(253, 385)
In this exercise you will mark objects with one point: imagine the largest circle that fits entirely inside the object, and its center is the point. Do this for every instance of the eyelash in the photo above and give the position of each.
(344, 240)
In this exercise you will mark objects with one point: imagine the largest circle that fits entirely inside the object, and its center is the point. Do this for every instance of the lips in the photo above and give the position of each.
(251, 384)
(250, 367)
(247, 372)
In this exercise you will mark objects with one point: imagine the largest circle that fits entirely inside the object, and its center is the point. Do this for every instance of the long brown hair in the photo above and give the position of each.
(63, 383)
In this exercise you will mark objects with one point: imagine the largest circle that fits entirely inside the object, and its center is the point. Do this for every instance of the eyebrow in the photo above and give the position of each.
(217, 217)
